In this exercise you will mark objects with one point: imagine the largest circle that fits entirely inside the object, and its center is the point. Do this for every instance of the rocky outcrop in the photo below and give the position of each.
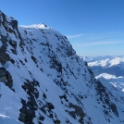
(27, 112)
(5, 77)
(4, 57)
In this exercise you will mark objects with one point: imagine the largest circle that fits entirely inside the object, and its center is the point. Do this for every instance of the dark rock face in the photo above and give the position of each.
(5, 77)
(14, 24)
(55, 64)
(78, 112)
(4, 57)
(104, 97)
(27, 112)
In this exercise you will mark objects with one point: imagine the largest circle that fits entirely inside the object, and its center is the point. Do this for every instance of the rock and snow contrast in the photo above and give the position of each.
(43, 81)
(104, 68)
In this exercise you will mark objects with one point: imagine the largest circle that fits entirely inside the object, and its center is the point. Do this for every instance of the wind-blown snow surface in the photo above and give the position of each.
(47, 83)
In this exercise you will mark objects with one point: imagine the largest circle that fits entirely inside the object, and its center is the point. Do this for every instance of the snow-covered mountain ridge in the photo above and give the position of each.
(113, 65)
(43, 81)
(41, 25)
(108, 62)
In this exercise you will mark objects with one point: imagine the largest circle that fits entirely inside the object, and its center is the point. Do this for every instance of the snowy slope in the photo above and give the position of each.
(113, 83)
(43, 81)
(109, 70)
(117, 82)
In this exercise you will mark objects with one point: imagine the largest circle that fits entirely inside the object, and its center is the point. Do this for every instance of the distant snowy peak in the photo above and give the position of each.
(113, 65)
(106, 62)
(107, 76)
(40, 26)
(113, 82)
(102, 63)
(116, 61)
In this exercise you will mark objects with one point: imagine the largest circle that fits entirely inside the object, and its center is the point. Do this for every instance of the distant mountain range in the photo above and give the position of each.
(113, 65)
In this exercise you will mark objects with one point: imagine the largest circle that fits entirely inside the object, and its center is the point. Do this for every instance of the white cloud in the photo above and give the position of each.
(97, 36)
(74, 36)
(96, 43)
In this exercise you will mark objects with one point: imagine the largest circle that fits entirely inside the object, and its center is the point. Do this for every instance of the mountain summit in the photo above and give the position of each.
(41, 25)
(43, 81)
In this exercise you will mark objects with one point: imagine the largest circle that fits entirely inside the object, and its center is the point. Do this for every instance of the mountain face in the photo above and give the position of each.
(43, 81)
(109, 70)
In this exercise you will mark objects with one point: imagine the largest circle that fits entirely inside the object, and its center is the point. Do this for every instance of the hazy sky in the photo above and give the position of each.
(93, 27)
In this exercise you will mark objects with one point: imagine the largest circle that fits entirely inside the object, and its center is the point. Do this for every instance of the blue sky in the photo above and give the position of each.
(93, 27)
